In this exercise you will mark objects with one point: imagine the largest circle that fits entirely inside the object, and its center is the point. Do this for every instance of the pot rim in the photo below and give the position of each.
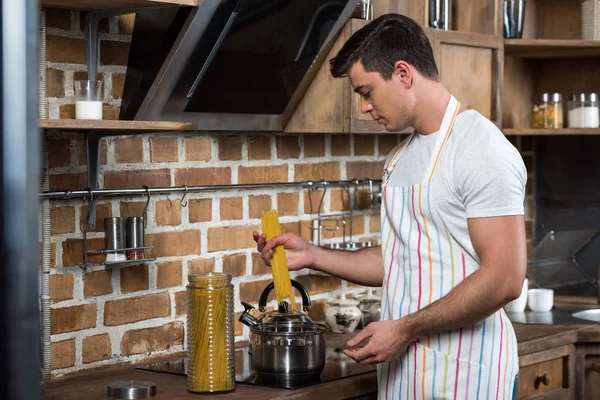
(313, 328)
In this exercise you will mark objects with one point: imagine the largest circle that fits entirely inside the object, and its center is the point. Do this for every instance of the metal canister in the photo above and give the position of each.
(134, 231)
(114, 234)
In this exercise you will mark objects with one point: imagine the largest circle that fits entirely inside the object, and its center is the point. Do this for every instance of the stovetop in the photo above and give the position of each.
(337, 366)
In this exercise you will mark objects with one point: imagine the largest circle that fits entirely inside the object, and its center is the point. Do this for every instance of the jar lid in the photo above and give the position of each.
(343, 302)
(555, 97)
(584, 97)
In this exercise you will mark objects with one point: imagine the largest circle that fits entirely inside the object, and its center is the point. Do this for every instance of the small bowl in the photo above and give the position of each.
(540, 300)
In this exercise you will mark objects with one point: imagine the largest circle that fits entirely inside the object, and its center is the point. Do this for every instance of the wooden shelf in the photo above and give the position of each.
(114, 4)
(550, 132)
(551, 48)
(75, 124)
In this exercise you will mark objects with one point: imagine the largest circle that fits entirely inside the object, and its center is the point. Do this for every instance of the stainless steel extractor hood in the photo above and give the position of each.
(229, 64)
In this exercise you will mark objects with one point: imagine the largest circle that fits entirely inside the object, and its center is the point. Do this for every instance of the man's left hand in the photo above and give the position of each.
(388, 340)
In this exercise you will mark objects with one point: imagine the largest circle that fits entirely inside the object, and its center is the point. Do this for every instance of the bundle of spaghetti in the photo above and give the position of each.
(279, 267)
(209, 366)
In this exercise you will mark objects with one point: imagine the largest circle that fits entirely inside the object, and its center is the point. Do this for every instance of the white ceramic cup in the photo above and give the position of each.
(541, 300)
(518, 304)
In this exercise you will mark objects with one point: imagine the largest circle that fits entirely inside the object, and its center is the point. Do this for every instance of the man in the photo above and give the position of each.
(453, 248)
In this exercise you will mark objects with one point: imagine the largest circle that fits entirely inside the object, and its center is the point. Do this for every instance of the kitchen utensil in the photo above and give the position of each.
(370, 306)
(519, 304)
(541, 300)
(134, 234)
(285, 345)
(343, 315)
(440, 14)
(114, 238)
(131, 390)
(514, 18)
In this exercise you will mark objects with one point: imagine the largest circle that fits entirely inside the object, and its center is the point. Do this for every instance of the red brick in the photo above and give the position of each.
(238, 326)
(198, 148)
(52, 254)
(317, 310)
(66, 111)
(179, 243)
(117, 84)
(61, 287)
(114, 53)
(200, 210)
(68, 181)
(231, 237)
(62, 354)
(102, 211)
(58, 18)
(258, 265)
(230, 148)
(82, 151)
(258, 205)
(63, 49)
(235, 265)
(73, 251)
(375, 223)
(134, 278)
(314, 146)
(276, 173)
(96, 348)
(200, 266)
(340, 200)
(71, 319)
(312, 199)
(167, 212)
(55, 83)
(316, 284)
(358, 227)
(62, 220)
(129, 179)
(129, 150)
(180, 303)
(149, 340)
(59, 153)
(250, 291)
(110, 112)
(387, 143)
(287, 203)
(126, 23)
(287, 147)
(83, 76)
(97, 283)
(364, 145)
(329, 171)
(231, 208)
(168, 274)
(103, 25)
(127, 311)
(340, 145)
(259, 148)
(132, 209)
(364, 169)
(202, 176)
(164, 149)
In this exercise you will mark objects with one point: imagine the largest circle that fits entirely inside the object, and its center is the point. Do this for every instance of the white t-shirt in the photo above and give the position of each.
(483, 173)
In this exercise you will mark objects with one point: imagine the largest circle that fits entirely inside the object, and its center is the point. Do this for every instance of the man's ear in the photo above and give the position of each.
(404, 73)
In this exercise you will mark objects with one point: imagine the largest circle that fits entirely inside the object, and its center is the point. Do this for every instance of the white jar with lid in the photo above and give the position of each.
(584, 111)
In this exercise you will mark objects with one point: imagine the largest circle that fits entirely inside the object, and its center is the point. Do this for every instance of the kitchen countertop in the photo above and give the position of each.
(91, 385)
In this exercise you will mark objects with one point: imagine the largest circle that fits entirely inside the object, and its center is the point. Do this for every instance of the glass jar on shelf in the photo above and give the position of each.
(548, 112)
(584, 111)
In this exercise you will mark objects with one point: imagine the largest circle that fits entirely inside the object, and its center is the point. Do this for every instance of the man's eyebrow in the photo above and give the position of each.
(360, 87)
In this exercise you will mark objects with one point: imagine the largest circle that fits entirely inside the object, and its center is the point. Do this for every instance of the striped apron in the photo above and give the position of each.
(422, 263)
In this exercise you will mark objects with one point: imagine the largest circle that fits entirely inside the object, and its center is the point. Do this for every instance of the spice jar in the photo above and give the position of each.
(210, 333)
(548, 113)
(584, 111)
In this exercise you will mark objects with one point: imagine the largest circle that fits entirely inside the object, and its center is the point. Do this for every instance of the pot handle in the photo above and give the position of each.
(262, 302)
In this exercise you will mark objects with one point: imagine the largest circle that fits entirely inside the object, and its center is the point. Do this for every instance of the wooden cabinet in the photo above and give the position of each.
(549, 373)
(587, 364)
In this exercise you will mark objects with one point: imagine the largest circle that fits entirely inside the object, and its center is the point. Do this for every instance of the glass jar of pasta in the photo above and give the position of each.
(210, 333)
(548, 113)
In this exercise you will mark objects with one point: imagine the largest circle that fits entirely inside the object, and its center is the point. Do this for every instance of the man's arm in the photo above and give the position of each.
(501, 246)
(363, 267)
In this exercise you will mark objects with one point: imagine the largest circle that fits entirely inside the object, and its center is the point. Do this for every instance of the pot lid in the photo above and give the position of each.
(369, 298)
(276, 317)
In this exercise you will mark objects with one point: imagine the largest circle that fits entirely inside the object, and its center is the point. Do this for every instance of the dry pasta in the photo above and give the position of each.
(281, 273)
(210, 334)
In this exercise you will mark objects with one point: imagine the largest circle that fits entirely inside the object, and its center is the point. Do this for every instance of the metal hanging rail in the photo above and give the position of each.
(95, 194)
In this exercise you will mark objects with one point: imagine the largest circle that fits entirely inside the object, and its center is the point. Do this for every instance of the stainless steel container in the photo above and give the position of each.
(514, 18)
(134, 231)
(440, 14)
(114, 234)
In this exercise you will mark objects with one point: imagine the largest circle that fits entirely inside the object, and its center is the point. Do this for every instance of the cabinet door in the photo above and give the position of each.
(588, 371)
(592, 377)
(471, 67)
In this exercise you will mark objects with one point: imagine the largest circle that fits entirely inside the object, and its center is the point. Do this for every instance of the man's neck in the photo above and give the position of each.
(430, 107)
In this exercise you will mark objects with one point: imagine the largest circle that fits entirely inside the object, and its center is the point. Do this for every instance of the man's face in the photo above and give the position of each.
(388, 102)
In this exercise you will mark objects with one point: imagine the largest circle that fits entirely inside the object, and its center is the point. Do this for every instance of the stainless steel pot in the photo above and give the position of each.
(285, 345)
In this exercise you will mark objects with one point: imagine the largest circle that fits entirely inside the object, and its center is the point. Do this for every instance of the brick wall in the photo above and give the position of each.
(104, 316)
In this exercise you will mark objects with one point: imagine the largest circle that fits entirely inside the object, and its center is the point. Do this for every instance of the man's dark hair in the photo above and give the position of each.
(385, 40)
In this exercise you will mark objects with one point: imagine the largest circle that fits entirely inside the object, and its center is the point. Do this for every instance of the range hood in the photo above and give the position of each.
(229, 64)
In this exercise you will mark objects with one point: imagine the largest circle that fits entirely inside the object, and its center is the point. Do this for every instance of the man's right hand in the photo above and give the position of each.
(298, 252)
